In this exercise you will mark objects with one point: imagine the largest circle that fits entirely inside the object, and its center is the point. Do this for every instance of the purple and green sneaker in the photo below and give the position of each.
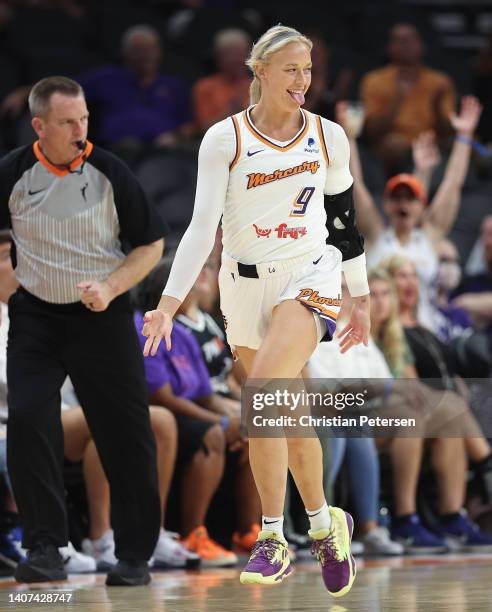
(332, 549)
(269, 562)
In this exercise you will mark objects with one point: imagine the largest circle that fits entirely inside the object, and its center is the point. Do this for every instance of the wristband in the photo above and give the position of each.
(479, 148)
(464, 139)
(224, 422)
(355, 273)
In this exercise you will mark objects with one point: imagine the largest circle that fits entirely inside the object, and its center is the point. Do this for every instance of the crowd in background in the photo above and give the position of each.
(156, 76)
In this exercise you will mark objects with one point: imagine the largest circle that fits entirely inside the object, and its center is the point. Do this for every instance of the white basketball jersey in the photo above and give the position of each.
(274, 206)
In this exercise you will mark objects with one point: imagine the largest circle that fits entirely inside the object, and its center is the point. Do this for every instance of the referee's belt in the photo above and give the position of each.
(267, 269)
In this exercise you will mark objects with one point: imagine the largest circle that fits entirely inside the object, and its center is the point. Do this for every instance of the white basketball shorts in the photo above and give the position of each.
(249, 293)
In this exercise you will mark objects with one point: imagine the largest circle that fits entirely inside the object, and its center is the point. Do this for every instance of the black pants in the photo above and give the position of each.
(101, 354)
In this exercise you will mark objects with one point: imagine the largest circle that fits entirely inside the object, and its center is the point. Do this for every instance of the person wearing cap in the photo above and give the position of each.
(414, 225)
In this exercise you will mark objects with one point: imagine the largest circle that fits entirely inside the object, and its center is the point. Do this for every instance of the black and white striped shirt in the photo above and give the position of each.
(69, 223)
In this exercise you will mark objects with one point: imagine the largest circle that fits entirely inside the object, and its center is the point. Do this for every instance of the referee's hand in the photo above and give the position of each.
(157, 325)
(96, 295)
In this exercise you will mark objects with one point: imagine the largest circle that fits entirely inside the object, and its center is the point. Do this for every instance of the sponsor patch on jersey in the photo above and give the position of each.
(310, 146)
(290, 232)
(262, 233)
(282, 231)
(256, 179)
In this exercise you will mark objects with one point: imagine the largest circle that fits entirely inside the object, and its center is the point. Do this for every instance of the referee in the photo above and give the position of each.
(72, 208)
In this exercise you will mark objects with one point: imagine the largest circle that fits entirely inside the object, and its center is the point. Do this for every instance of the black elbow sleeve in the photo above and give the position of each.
(340, 223)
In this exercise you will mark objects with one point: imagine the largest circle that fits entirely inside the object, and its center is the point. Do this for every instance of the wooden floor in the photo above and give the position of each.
(454, 584)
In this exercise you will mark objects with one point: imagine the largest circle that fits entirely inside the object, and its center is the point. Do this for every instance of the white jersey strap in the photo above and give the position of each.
(322, 140)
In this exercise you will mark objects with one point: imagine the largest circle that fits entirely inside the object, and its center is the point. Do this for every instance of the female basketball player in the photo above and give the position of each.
(280, 177)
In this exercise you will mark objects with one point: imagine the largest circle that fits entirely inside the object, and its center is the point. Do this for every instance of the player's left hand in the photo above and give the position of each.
(96, 295)
(358, 328)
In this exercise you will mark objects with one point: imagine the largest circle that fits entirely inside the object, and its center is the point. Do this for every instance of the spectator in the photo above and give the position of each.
(79, 446)
(433, 360)
(386, 328)
(207, 424)
(405, 98)
(407, 452)
(226, 92)
(415, 228)
(474, 293)
(10, 553)
(135, 102)
(451, 319)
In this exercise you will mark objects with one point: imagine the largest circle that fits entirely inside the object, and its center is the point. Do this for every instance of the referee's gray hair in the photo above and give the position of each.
(136, 30)
(40, 96)
(273, 40)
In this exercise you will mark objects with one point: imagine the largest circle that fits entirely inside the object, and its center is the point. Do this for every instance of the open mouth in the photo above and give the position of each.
(297, 95)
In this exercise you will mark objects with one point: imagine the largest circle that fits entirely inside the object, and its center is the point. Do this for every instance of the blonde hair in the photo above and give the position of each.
(393, 263)
(273, 40)
(391, 337)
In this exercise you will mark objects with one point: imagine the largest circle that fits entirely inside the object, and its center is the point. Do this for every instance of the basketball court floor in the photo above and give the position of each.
(447, 583)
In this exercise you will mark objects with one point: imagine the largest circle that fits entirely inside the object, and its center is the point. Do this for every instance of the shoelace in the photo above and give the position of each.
(265, 549)
(326, 550)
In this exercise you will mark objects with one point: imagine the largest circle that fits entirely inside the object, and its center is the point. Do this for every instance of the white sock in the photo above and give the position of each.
(273, 523)
(320, 518)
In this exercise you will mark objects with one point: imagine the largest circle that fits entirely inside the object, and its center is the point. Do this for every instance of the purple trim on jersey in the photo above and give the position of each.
(331, 326)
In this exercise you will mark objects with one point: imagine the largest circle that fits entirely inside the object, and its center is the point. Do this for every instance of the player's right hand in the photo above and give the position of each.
(157, 325)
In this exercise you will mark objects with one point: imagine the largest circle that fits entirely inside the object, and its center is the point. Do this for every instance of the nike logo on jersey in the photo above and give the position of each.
(318, 260)
(251, 153)
(35, 192)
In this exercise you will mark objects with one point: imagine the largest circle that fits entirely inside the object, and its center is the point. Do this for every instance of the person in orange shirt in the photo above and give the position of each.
(226, 92)
(405, 98)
